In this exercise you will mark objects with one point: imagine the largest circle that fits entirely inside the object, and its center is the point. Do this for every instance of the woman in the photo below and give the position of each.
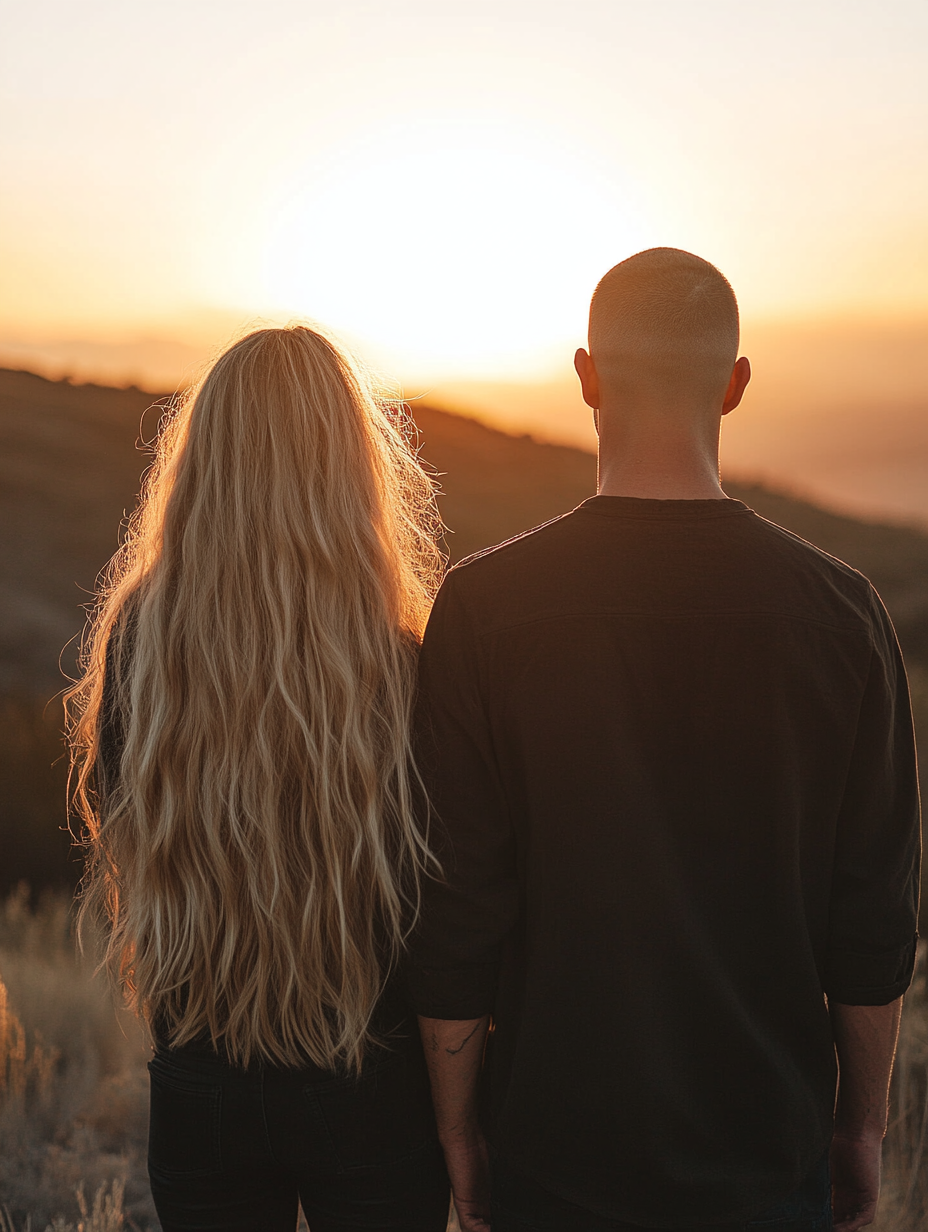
(243, 771)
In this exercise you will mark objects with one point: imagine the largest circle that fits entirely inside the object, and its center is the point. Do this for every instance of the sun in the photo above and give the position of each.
(462, 247)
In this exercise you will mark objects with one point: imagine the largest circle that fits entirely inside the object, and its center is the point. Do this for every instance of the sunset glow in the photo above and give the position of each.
(446, 183)
(443, 186)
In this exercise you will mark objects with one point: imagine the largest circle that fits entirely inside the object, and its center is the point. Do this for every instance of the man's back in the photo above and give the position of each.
(671, 745)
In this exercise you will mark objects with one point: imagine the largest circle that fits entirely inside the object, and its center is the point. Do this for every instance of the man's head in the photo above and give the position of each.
(663, 330)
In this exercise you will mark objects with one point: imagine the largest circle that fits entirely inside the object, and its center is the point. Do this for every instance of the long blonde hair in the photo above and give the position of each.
(255, 861)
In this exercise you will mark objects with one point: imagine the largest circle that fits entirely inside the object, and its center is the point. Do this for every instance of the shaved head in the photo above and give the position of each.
(664, 321)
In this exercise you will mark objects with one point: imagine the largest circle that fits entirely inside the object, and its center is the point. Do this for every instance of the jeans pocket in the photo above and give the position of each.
(184, 1123)
(381, 1117)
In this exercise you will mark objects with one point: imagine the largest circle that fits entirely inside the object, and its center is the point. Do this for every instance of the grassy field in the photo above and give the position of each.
(73, 1092)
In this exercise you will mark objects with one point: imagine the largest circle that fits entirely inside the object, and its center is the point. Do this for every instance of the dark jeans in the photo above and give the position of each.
(232, 1150)
(521, 1205)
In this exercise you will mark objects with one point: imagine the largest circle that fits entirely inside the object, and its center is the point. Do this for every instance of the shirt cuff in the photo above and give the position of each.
(861, 978)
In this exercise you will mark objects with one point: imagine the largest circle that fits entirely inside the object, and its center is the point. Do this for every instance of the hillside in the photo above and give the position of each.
(71, 459)
(70, 466)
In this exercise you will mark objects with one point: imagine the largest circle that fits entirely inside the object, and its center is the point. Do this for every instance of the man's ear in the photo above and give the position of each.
(589, 379)
(740, 375)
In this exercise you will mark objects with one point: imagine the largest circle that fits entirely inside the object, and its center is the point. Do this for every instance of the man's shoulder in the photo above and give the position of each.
(754, 563)
(819, 587)
(526, 549)
(801, 555)
(533, 548)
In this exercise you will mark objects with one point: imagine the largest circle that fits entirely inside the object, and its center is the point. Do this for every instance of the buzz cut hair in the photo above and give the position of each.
(664, 317)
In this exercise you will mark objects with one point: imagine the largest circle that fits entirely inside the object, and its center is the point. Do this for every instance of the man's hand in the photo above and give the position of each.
(454, 1054)
(865, 1039)
(855, 1180)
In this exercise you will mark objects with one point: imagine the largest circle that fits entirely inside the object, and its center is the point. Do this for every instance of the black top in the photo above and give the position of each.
(671, 747)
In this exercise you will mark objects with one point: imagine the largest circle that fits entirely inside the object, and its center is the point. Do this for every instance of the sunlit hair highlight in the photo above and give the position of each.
(255, 860)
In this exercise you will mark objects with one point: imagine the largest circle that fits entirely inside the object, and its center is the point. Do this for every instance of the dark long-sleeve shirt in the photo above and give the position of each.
(669, 746)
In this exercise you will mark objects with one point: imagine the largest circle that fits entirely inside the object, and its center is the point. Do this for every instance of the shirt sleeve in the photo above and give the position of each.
(875, 886)
(467, 912)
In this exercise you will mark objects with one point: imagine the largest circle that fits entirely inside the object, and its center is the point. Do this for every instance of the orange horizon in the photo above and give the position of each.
(837, 411)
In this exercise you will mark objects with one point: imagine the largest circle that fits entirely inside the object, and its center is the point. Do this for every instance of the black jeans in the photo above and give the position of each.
(521, 1205)
(232, 1150)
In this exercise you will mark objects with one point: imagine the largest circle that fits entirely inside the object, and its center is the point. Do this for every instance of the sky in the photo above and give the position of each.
(445, 182)
(442, 184)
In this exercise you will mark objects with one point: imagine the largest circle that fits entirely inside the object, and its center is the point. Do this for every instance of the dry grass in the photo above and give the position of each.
(104, 1214)
(73, 1086)
(73, 1092)
(904, 1202)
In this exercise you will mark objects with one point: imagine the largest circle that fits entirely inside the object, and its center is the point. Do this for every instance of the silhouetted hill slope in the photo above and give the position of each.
(493, 485)
(70, 467)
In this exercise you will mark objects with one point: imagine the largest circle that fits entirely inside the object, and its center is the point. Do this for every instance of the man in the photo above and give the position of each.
(670, 752)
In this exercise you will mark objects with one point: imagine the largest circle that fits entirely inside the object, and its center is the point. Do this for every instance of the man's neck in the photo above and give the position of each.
(658, 460)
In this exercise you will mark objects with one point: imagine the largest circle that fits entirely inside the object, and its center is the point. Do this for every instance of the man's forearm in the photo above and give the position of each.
(865, 1039)
(454, 1055)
